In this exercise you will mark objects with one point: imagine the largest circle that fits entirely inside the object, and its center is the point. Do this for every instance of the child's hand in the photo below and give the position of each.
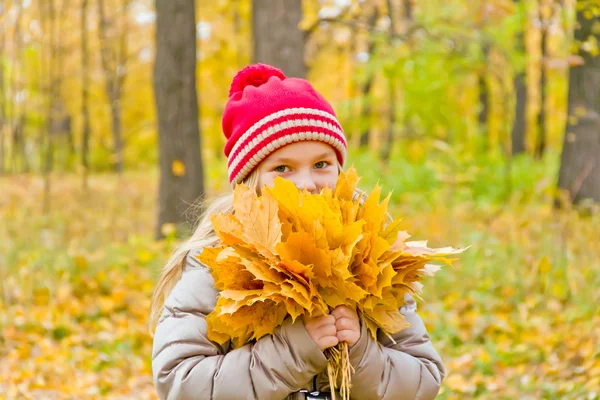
(347, 325)
(322, 330)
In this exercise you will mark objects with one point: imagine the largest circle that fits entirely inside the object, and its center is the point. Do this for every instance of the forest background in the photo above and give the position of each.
(482, 116)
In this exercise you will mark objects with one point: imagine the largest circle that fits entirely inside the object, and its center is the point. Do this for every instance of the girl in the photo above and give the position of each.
(277, 126)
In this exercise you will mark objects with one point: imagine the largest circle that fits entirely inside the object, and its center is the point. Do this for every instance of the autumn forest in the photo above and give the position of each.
(481, 117)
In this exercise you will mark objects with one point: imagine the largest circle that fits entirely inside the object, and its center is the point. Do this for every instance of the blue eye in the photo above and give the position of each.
(281, 168)
(321, 164)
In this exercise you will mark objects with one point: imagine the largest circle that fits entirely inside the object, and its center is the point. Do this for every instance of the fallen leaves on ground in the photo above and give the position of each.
(520, 321)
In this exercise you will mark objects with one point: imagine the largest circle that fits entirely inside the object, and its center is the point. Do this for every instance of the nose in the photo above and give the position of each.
(305, 181)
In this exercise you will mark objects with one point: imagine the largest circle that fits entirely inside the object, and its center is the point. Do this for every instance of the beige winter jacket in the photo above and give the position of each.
(186, 365)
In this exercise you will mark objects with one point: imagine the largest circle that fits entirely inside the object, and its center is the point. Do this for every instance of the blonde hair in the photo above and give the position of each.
(203, 236)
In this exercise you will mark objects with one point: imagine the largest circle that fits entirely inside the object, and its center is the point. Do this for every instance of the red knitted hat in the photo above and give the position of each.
(267, 111)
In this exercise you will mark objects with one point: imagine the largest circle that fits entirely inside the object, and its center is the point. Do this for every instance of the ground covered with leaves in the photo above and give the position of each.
(517, 317)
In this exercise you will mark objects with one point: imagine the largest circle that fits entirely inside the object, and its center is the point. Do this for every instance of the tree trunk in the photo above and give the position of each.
(365, 114)
(483, 95)
(540, 144)
(519, 124)
(51, 113)
(85, 94)
(278, 40)
(16, 154)
(177, 111)
(580, 162)
(113, 64)
(18, 145)
(2, 110)
(240, 48)
(63, 119)
(408, 10)
(407, 122)
(351, 126)
(520, 88)
(386, 147)
(68, 125)
(115, 112)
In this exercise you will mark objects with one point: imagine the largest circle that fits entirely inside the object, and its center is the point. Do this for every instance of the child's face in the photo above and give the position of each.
(310, 165)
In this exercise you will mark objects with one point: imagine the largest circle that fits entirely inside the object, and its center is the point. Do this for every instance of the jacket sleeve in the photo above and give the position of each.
(187, 365)
(410, 369)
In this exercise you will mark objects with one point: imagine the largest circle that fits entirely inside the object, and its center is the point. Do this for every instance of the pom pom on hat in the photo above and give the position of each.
(254, 75)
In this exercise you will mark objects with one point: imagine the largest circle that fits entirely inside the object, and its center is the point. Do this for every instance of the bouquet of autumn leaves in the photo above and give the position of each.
(289, 252)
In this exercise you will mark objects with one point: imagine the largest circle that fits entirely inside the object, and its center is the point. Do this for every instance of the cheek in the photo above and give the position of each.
(330, 179)
(265, 179)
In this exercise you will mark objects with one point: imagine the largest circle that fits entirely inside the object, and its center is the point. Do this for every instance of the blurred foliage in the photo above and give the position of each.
(435, 57)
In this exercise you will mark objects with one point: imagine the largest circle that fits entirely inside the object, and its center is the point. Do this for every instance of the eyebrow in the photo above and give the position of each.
(290, 161)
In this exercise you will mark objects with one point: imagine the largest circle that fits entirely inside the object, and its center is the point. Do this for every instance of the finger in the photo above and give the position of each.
(327, 330)
(328, 341)
(346, 324)
(339, 312)
(348, 336)
(324, 320)
(344, 311)
(315, 321)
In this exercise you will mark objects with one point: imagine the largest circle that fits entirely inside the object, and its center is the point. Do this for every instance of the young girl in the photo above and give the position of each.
(277, 126)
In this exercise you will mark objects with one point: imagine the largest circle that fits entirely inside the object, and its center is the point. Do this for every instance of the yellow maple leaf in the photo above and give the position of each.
(346, 184)
(301, 246)
(178, 168)
(228, 272)
(259, 220)
(228, 229)
(287, 196)
(262, 271)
